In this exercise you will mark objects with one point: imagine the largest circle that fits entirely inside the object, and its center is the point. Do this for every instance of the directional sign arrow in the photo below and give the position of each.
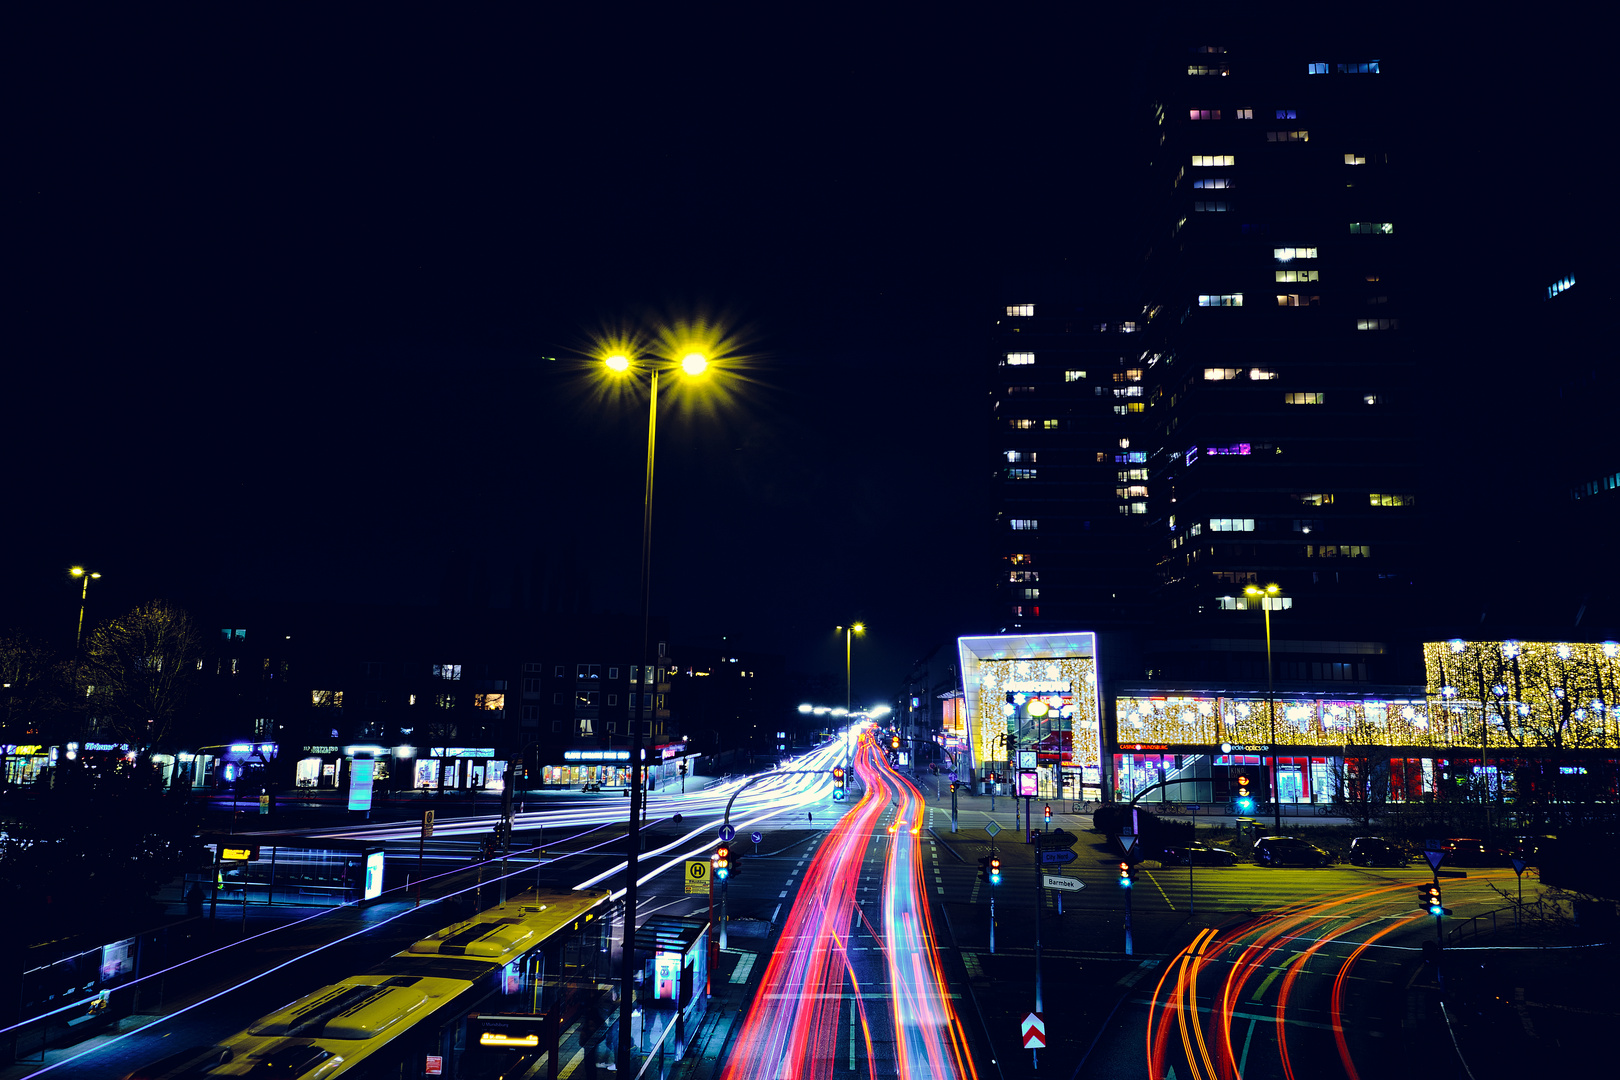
(1058, 856)
(1034, 1031)
(1065, 884)
(727, 832)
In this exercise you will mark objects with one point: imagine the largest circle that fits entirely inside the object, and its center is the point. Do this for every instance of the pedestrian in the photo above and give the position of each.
(811, 815)
(194, 900)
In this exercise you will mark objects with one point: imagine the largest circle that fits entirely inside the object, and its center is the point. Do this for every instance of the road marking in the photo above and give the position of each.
(745, 964)
(1244, 1060)
(779, 896)
(1265, 984)
(573, 1063)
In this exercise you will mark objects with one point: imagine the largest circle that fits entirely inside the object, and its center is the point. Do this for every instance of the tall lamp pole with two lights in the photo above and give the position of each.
(1267, 596)
(693, 365)
(84, 595)
(849, 694)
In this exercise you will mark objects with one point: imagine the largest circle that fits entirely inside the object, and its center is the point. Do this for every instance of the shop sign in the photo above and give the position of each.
(1142, 746)
(674, 750)
(320, 749)
(596, 755)
(464, 751)
(1245, 748)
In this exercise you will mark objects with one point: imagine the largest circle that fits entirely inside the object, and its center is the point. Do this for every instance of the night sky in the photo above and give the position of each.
(284, 294)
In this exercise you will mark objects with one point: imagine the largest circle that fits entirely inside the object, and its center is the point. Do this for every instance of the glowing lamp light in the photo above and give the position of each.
(694, 363)
(807, 708)
(618, 363)
(1037, 707)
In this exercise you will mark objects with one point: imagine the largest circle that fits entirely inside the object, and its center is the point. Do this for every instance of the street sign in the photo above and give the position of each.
(239, 853)
(264, 804)
(727, 832)
(697, 875)
(1034, 1031)
(1028, 784)
(992, 828)
(1127, 841)
(1434, 858)
(1518, 865)
(1057, 838)
(1058, 856)
(1065, 884)
(427, 825)
(756, 837)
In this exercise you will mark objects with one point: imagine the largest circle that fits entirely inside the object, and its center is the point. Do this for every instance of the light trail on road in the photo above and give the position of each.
(791, 1029)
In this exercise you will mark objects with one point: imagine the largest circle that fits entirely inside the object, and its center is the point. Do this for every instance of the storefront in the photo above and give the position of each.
(26, 764)
(222, 766)
(459, 768)
(609, 768)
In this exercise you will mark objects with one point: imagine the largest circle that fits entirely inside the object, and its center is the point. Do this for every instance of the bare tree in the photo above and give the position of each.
(138, 670)
(1361, 782)
(34, 687)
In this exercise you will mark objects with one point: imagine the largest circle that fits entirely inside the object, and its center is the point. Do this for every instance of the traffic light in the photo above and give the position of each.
(1126, 874)
(953, 787)
(995, 869)
(1429, 897)
(894, 742)
(722, 862)
(838, 783)
(1049, 813)
(1245, 798)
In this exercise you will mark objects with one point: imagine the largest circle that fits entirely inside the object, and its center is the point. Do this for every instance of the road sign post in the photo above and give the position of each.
(1033, 1029)
(1128, 842)
(421, 852)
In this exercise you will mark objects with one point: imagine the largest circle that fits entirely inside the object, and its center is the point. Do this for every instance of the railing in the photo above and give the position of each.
(1487, 922)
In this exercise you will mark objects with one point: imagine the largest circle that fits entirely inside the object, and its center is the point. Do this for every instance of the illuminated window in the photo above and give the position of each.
(1376, 499)
(1288, 136)
(1354, 159)
(1020, 309)
(1372, 399)
(1020, 390)
(1285, 254)
(489, 702)
(1022, 425)
(1260, 374)
(1219, 183)
(1307, 525)
(1313, 498)
(1206, 161)
(1211, 206)
(1018, 358)
(1139, 507)
(1372, 228)
(1220, 299)
(1030, 594)
(1378, 324)
(1128, 375)
(326, 699)
(1304, 397)
(1368, 67)
(1237, 577)
(445, 701)
(1559, 286)
(1020, 474)
(1073, 376)
(1208, 69)
(1231, 524)
(447, 671)
(1215, 50)
(1133, 474)
(1298, 275)
(1204, 114)
(1287, 114)
(1244, 603)
(1023, 575)
(1022, 524)
(1021, 560)
(1015, 456)
(1127, 391)
(1135, 457)
(1051, 425)
(1316, 69)
(1133, 407)
(1131, 491)
(1297, 300)
(1230, 450)
(1337, 551)
(1243, 114)
(1216, 374)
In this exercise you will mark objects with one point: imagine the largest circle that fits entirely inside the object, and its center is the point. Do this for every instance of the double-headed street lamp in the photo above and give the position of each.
(84, 594)
(692, 364)
(1267, 596)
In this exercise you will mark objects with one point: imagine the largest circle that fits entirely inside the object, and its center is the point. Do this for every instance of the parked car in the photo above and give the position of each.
(1467, 851)
(1378, 851)
(1531, 848)
(1290, 851)
(1202, 855)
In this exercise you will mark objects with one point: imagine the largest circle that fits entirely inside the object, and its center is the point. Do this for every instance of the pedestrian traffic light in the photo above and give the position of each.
(1125, 875)
(1049, 813)
(722, 862)
(1429, 895)
(995, 869)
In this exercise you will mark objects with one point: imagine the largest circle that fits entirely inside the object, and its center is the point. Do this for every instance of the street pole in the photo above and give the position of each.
(953, 806)
(506, 823)
(1271, 712)
(725, 883)
(627, 945)
(1128, 950)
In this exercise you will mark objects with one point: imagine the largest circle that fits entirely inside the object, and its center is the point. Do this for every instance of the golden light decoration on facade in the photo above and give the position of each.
(1526, 694)
(1045, 678)
(1209, 721)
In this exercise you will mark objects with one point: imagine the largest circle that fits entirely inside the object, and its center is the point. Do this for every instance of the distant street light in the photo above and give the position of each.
(1267, 597)
(84, 594)
(693, 364)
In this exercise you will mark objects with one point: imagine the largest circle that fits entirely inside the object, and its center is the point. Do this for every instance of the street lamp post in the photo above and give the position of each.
(84, 594)
(849, 694)
(693, 364)
(1266, 596)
